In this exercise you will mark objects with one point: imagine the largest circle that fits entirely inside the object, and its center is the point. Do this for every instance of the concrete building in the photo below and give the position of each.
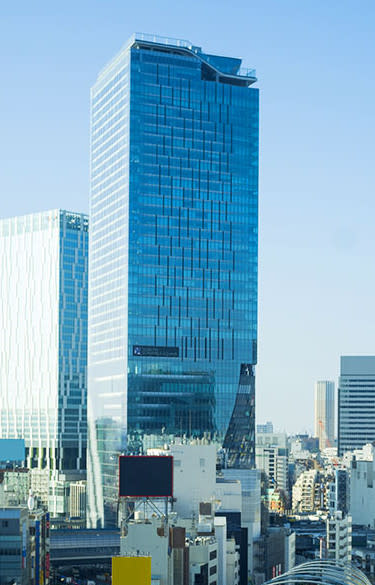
(183, 551)
(362, 496)
(302, 446)
(290, 549)
(324, 413)
(339, 492)
(229, 505)
(271, 454)
(250, 506)
(356, 396)
(232, 495)
(264, 439)
(39, 523)
(274, 552)
(304, 492)
(59, 491)
(39, 485)
(339, 537)
(77, 499)
(24, 546)
(149, 537)
(233, 563)
(203, 561)
(194, 478)
(265, 428)
(14, 487)
(14, 548)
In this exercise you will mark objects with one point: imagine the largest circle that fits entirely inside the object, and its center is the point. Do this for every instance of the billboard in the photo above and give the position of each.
(145, 476)
(131, 570)
(12, 450)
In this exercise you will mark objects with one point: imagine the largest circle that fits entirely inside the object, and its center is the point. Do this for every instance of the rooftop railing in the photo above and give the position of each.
(185, 44)
(163, 40)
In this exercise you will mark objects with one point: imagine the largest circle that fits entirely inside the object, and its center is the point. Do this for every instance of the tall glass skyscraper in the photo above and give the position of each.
(43, 336)
(173, 248)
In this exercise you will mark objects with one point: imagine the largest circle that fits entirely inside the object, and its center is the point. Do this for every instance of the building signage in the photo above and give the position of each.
(155, 351)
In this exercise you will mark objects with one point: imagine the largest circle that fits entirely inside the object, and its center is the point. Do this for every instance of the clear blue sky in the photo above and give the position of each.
(315, 62)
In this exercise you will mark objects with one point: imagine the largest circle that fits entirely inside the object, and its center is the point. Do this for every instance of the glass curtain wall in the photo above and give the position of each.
(174, 236)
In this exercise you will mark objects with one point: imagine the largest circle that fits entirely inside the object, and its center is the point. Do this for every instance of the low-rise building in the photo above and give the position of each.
(339, 537)
(304, 492)
(274, 553)
(271, 454)
(149, 537)
(203, 561)
(265, 428)
(14, 546)
(77, 499)
(233, 563)
(24, 546)
(362, 486)
(14, 487)
(338, 497)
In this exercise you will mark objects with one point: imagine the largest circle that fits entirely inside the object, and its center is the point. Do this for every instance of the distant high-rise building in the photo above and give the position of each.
(77, 499)
(324, 404)
(356, 399)
(43, 336)
(265, 428)
(272, 457)
(173, 249)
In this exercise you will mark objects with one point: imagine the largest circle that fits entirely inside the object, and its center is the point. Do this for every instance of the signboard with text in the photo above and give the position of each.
(155, 351)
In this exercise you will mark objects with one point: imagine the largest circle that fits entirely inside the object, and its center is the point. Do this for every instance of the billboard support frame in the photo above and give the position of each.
(145, 502)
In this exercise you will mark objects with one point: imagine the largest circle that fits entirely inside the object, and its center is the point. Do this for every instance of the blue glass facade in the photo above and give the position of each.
(174, 236)
(72, 406)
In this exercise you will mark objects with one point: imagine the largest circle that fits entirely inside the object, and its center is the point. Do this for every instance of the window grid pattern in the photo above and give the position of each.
(193, 211)
(108, 291)
(43, 336)
(173, 247)
(356, 401)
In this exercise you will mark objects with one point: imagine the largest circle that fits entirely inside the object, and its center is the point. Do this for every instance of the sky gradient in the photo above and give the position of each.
(315, 66)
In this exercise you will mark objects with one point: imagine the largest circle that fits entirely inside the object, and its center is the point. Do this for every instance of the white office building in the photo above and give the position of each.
(362, 491)
(271, 456)
(339, 537)
(303, 498)
(176, 545)
(235, 491)
(43, 336)
(194, 477)
(77, 499)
